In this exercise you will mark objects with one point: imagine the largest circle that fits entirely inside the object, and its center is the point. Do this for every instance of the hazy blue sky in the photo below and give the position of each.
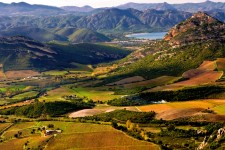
(98, 3)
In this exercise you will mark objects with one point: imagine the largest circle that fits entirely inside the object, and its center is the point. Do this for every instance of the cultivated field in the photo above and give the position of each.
(73, 136)
(100, 108)
(18, 144)
(21, 74)
(55, 73)
(27, 102)
(25, 95)
(56, 94)
(203, 75)
(174, 110)
(208, 65)
(95, 94)
(203, 78)
(153, 82)
(128, 80)
(90, 136)
(220, 62)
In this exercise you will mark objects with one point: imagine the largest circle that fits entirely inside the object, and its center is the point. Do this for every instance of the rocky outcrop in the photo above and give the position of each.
(199, 27)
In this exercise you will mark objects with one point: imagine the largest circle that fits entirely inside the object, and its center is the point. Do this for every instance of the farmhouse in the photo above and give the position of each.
(50, 132)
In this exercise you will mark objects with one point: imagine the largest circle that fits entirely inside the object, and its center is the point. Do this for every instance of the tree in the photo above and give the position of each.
(50, 125)
(171, 127)
(128, 123)
(114, 124)
(132, 127)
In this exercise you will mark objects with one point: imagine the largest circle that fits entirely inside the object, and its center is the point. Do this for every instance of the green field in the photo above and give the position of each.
(220, 109)
(56, 94)
(12, 88)
(55, 73)
(95, 94)
(26, 95)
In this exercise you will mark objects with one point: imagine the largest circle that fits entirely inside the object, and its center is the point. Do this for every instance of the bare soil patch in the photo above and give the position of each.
(21, 74)
(85, 112)
(128, 80)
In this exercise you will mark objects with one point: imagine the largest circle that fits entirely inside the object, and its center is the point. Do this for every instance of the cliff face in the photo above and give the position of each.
(197, 28)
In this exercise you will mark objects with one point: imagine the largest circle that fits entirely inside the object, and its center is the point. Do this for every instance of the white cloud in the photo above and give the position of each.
(98, 3)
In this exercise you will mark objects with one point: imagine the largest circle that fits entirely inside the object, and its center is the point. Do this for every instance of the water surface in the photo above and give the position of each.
(149, 36)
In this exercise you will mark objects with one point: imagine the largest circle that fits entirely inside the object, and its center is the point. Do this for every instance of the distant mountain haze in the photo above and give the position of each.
(23, 8)
(99, 3)
(49, 23)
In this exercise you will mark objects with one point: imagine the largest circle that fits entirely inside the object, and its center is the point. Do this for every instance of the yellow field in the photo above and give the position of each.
(75, 136)
(96, 137)
(17, 144)
(55, 73)
(4, 125)
(180, 105)
(175, 110)
(103, 70)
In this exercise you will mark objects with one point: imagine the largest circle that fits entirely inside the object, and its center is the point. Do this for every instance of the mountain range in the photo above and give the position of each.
(188, 7)
(23, 8)
(46, 23)
(109, 21)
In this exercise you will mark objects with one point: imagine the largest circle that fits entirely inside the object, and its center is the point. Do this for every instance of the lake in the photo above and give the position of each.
(149, 36)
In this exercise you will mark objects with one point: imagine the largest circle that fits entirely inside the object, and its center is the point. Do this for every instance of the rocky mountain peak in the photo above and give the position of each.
(200, 26)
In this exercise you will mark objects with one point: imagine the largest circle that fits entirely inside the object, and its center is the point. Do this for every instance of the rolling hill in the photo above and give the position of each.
(86, 35)
(200, 27)
(21, 53)
(39, 34)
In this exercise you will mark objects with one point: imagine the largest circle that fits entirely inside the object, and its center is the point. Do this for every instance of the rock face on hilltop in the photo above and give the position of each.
(197, 28)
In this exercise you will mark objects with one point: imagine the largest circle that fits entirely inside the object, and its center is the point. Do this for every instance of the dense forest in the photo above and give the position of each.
(41, 109)
(202, 92)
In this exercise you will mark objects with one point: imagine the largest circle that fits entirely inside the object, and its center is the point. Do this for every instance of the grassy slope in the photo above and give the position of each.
(182, 59)
(34, 33)
(88, 53)
(28, 54)
(95, 94)
(86, 35)
(66, 31)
